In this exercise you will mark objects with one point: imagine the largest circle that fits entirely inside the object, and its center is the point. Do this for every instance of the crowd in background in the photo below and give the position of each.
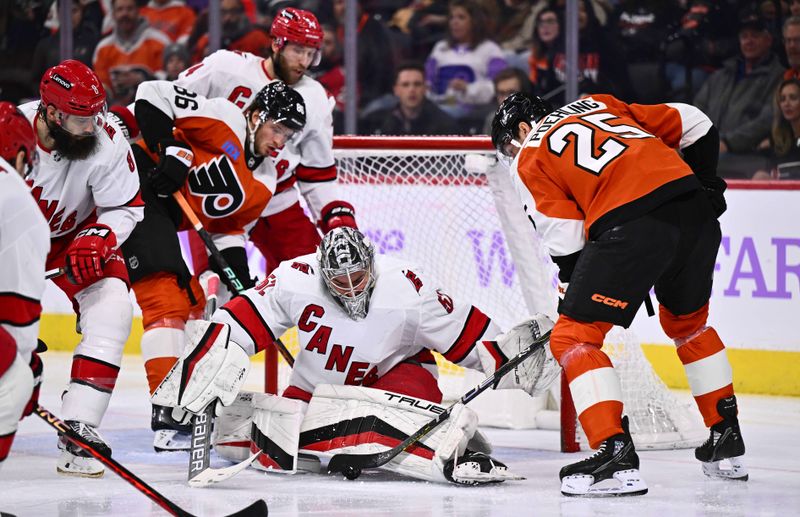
(442, 66)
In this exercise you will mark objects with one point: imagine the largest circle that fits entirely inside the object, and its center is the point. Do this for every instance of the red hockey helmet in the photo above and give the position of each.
(77, 93)
(15, 133)
(297, 26)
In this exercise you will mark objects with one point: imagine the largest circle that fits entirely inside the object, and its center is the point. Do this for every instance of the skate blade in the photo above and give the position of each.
(80, 474)
(623, 483)
(171, 441)
(730, 468)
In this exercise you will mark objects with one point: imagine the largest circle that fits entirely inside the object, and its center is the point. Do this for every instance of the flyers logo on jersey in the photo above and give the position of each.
(217, 183)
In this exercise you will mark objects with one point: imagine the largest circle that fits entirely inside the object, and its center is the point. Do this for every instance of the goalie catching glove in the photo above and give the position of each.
(212, 368)
(536, 373)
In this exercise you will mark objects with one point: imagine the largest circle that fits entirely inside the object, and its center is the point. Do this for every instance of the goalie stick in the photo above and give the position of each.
(352, 464)
(200, 472)
(257, 509)
(52, 273)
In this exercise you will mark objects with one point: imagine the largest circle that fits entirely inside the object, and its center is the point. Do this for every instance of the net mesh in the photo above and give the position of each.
(424, 206)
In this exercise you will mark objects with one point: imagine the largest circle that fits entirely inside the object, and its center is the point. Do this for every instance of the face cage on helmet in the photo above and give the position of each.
(77, 125)
(355, 304)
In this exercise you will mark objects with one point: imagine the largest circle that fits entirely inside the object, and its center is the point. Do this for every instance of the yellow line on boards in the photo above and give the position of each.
(767, 372)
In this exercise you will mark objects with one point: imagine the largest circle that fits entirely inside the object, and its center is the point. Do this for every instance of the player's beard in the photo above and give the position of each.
(70, 146)
(282, 71)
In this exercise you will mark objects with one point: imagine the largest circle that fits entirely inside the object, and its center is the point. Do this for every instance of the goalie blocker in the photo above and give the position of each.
(356, 420)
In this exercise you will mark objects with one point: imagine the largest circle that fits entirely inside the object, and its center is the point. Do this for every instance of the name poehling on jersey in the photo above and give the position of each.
(579, 107)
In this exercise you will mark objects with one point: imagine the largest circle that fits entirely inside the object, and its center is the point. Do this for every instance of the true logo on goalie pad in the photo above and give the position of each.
(417, 403)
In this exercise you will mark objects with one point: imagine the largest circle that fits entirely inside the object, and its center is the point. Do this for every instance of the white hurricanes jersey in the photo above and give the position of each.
(409, 315)
(69, 191)
(308, 158)
(24, 244)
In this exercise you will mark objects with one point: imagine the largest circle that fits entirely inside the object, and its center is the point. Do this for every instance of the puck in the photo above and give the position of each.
(351, 472)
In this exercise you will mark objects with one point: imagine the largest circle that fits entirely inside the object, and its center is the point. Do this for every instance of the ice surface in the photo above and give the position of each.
(29, 485)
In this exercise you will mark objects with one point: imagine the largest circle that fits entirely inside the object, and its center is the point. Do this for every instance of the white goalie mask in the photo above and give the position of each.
(347, 264)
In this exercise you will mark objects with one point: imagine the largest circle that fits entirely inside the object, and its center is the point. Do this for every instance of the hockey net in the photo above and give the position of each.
(444, 204)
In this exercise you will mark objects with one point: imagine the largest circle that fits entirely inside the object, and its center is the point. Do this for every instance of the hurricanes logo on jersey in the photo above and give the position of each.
(219, 186)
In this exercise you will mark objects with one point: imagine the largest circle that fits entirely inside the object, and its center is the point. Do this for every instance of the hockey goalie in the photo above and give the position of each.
(364, 378)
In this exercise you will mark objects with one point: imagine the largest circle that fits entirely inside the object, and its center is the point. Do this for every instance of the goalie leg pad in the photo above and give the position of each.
(260, 422)
(212, 368)
(359, 420)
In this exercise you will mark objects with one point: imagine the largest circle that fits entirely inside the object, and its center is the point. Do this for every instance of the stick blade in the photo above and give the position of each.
(339, 462)
(211, 476)
(257, 509)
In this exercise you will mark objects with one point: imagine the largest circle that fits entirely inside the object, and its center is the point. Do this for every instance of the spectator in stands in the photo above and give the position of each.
(375, 55)
(237, 33)
(599, 65)
(641, 27)
(176, 60)
(791, 42)
(507, 81)
(427, 24)
(543, 45)
(132, 53)
(794, 7)
(172, 17)
(784, 153)
(461, 67)
(700, 43)
(414, 113)
(737, 98)
(515, 33)
(330, 73)
(48, 51)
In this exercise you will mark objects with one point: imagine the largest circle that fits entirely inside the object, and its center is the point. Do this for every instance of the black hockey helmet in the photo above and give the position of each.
(280, 103)
(518, 107)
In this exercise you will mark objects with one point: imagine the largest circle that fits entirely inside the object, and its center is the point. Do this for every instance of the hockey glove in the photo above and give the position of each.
(173, 167)
(336, 214)
(36, 367)
(714, 187)
(88, 253)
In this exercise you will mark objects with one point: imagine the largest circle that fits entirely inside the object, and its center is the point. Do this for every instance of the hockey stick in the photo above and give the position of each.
(52, 273)
(257, 509)
(351, 464)
(200, 472)
(229, 277)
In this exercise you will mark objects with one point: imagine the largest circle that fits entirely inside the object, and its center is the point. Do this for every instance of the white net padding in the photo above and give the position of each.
(464, 225)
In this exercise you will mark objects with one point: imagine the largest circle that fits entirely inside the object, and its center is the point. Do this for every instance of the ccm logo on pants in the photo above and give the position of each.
(607, 300)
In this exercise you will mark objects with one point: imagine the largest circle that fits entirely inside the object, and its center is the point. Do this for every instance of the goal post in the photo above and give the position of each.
(447, 205)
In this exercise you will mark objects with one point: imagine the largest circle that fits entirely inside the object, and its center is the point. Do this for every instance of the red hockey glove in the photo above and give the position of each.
(336, 214)
(173, 167)
(89, 252)
(36, 367)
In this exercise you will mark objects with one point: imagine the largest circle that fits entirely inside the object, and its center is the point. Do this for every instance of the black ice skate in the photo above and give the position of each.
(170, 434)
(77, 461)
(612, 471)
(722, 453)
(477, 468)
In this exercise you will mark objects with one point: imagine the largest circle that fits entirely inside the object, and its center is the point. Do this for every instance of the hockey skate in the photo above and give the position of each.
(75, 460)
(721, 455)
(612, 471)
(476, 468)
(170, 435)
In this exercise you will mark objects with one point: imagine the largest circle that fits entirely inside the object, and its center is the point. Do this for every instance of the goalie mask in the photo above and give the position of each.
(518, 107)
(347, 264)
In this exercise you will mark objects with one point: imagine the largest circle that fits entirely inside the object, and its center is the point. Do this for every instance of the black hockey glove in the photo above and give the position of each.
(714, 187)
(170, 174)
